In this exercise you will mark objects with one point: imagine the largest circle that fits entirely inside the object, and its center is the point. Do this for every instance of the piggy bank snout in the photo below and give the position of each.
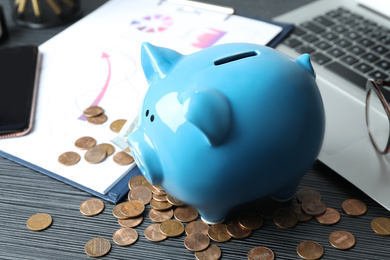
(145, 156)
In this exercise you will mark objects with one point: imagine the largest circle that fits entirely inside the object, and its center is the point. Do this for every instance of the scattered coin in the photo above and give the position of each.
(69, 158)
(213, 252)
(158, 191)
(130, 222)
(97, 120)
(381, 226)
(185, 214)
(160, 205)
(301, 215)
(91, 207)
(39, 221)
(160, 197)
(354, 207)
(308, 193)
(196, 242)
(261, 253)
(125, 236)
(285, 218)
(110, 149)
(268, 209)
(310, 250)
(97, 247)
(93, 111)
(329, 217)
(160, 215)
(116, 211)
(172, 228)
(85, 143)
(153, 233)
(342, 240)
(140, 193)
(313, 207)
(117, 125)
(123, 158)
(235, 230)
(250, 220)
(174, 201)
(197, 226)
(139, 180)
(95, 155)
(219, 233)
(132, 208)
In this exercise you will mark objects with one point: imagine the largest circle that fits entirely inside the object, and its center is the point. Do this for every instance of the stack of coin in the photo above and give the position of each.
(95, 115)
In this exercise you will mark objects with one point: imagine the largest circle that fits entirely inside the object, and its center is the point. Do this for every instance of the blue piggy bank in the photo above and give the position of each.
(227, 125)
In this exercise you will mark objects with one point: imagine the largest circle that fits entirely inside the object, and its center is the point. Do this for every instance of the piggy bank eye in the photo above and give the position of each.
(147, 113)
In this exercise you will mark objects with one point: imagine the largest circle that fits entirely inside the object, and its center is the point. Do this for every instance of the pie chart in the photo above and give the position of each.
(153, 23)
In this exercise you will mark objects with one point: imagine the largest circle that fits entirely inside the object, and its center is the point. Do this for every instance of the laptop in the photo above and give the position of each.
(348, 41)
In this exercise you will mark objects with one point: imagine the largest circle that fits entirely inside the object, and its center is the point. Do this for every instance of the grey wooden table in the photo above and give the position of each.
(24, 192)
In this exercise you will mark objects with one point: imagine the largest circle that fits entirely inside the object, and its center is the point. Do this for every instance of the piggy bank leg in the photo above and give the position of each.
(213, 216)
(287, 192)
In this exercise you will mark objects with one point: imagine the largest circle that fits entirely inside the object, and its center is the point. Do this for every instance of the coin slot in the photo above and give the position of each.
(235, 57)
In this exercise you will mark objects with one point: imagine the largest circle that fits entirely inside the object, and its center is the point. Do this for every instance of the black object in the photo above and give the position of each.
(3, 26)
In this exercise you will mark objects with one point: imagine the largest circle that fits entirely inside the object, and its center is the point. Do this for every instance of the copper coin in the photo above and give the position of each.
(267, 210)
(153, 233)
(95, 155)
(91, 207)
(196, 242)
(285, 218)
(235, 230)
(160, 215)
(130, 222)
(97, 247)
(97, 120)
(69, 158)
(250, 220)
(93, 111)
(313, 207)
(261, 253)
(211, 253)
(125, 236)
(310, 250)
(329, 217)
(160, 197)
(158, 191)
(160, 205)
(342, 240)
(174, 201)
(185, 214)
(116, 211)
(39, 221)
(132, 208)
(85, 143)
(197, 226)
(139, 180)
(301, 215)
(110, 149)
(354, 207)
(172, 228)
(117, 125)
(219, 233)
(123, 158)
(140, 193)
(381, 226)
(308, 193)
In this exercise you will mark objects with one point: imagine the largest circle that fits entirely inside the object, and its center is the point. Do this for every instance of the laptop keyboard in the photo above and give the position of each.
(346, 43)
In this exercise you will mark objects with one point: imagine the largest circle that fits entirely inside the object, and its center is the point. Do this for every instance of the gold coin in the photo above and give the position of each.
(125, 236)
(110, 149)
(354, 207)
(381, 226)
(95, 155)
(197, 226)
(153, 233)
(310, 250)
(261, 253)
(196, 242)
(219, 233)
(97, 120)
(308, 193)
(174, 201)
(116, 211)
(211, 253)
(250, 220)
(93, 111)
(160, 215)
(342, 240)
(39, 221)
(313, 207)
(329, 217)
(91, 207)
(172, 228)
(132, 208)
(117, 125)
(160, 197)
(235, 230)
(97, 247)
(185, 214)
(139, 180)
(301, 215)
(84, 143)
(285, 218)
(130, 222)
(160, 205)
(69, 158)
(123, 158)
(140, 193)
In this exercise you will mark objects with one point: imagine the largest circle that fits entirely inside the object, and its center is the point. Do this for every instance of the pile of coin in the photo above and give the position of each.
(95, 115)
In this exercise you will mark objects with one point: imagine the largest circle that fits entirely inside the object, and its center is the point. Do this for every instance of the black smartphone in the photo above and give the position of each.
(19, 73)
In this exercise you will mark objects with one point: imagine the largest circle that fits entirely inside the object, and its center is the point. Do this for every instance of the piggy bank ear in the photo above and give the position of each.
(157, 61)
(304, 62)
(211, 112)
